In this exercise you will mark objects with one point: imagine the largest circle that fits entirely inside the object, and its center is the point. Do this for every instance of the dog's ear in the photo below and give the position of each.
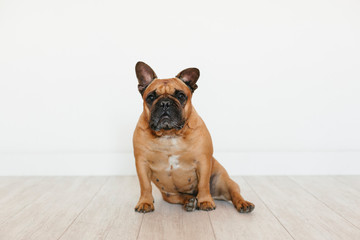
(145, 75)
(190, 77)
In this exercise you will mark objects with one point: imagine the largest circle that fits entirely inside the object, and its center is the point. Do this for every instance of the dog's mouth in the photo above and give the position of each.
(165, 117)
(165, 122)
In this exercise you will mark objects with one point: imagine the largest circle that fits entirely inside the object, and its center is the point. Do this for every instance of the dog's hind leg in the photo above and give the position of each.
(223, 187)
(187, 200)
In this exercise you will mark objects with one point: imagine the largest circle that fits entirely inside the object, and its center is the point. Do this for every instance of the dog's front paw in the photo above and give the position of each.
(206, 205)
(244, 206)
(144, 207)
(190, 205)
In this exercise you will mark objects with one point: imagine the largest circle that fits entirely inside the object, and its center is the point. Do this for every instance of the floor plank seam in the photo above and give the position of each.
(323, 203)
(82, 210)
(109, 227)
(111, 224)
(268, 208)
(212, 226)
(142, 219)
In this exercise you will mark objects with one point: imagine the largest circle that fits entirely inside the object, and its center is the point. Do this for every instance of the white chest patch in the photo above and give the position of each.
(173, 162)
(174, 141)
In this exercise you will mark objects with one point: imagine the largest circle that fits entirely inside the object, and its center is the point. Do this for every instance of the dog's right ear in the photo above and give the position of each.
(145, 75)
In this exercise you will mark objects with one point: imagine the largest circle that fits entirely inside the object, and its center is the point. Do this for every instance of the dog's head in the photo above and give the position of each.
(167, 102)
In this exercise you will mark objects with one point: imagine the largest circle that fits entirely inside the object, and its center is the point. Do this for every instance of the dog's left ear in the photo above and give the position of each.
(190, 76)
(145, 75)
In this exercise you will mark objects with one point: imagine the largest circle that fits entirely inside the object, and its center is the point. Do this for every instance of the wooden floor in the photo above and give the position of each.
(326, 207)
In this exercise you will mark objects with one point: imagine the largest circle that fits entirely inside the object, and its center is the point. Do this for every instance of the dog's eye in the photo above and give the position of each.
(181, 96)
(150, 98)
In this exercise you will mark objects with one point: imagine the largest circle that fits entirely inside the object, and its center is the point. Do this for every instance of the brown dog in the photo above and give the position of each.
(173, 147)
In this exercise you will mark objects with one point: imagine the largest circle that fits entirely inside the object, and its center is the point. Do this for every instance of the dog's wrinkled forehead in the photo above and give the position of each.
(167, 86)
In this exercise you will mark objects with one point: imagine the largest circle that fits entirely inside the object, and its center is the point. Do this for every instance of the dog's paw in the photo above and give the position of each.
(206, 206)
(143, 207)
(190, 205)
(244, 206)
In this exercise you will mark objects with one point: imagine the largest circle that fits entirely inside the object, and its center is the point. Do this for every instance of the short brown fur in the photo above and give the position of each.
(180, 162)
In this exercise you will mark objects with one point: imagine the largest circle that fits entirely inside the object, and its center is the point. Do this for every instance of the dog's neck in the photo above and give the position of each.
(172, 133)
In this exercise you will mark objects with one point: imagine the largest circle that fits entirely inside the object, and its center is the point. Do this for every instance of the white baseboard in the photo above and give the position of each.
(236, 163)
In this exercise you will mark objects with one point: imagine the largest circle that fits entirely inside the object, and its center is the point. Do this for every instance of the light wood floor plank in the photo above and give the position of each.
(338, 196)
(103, 208)
(19, 193)
(304, 216)
(352, 181)
(49, 216)
(170, 221)
(260, 224)
(110, 215)
(13, 185)
(7, 180)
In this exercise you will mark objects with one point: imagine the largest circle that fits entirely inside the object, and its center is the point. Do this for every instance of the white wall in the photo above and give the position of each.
(276, 76)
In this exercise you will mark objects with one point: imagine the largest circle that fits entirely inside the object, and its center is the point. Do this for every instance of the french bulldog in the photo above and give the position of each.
(173, 148)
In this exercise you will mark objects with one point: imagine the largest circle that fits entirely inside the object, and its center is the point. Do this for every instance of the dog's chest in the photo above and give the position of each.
(169, 153)
(173, 168)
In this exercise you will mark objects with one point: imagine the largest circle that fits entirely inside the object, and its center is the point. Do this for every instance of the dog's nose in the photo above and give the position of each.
(165, 104)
